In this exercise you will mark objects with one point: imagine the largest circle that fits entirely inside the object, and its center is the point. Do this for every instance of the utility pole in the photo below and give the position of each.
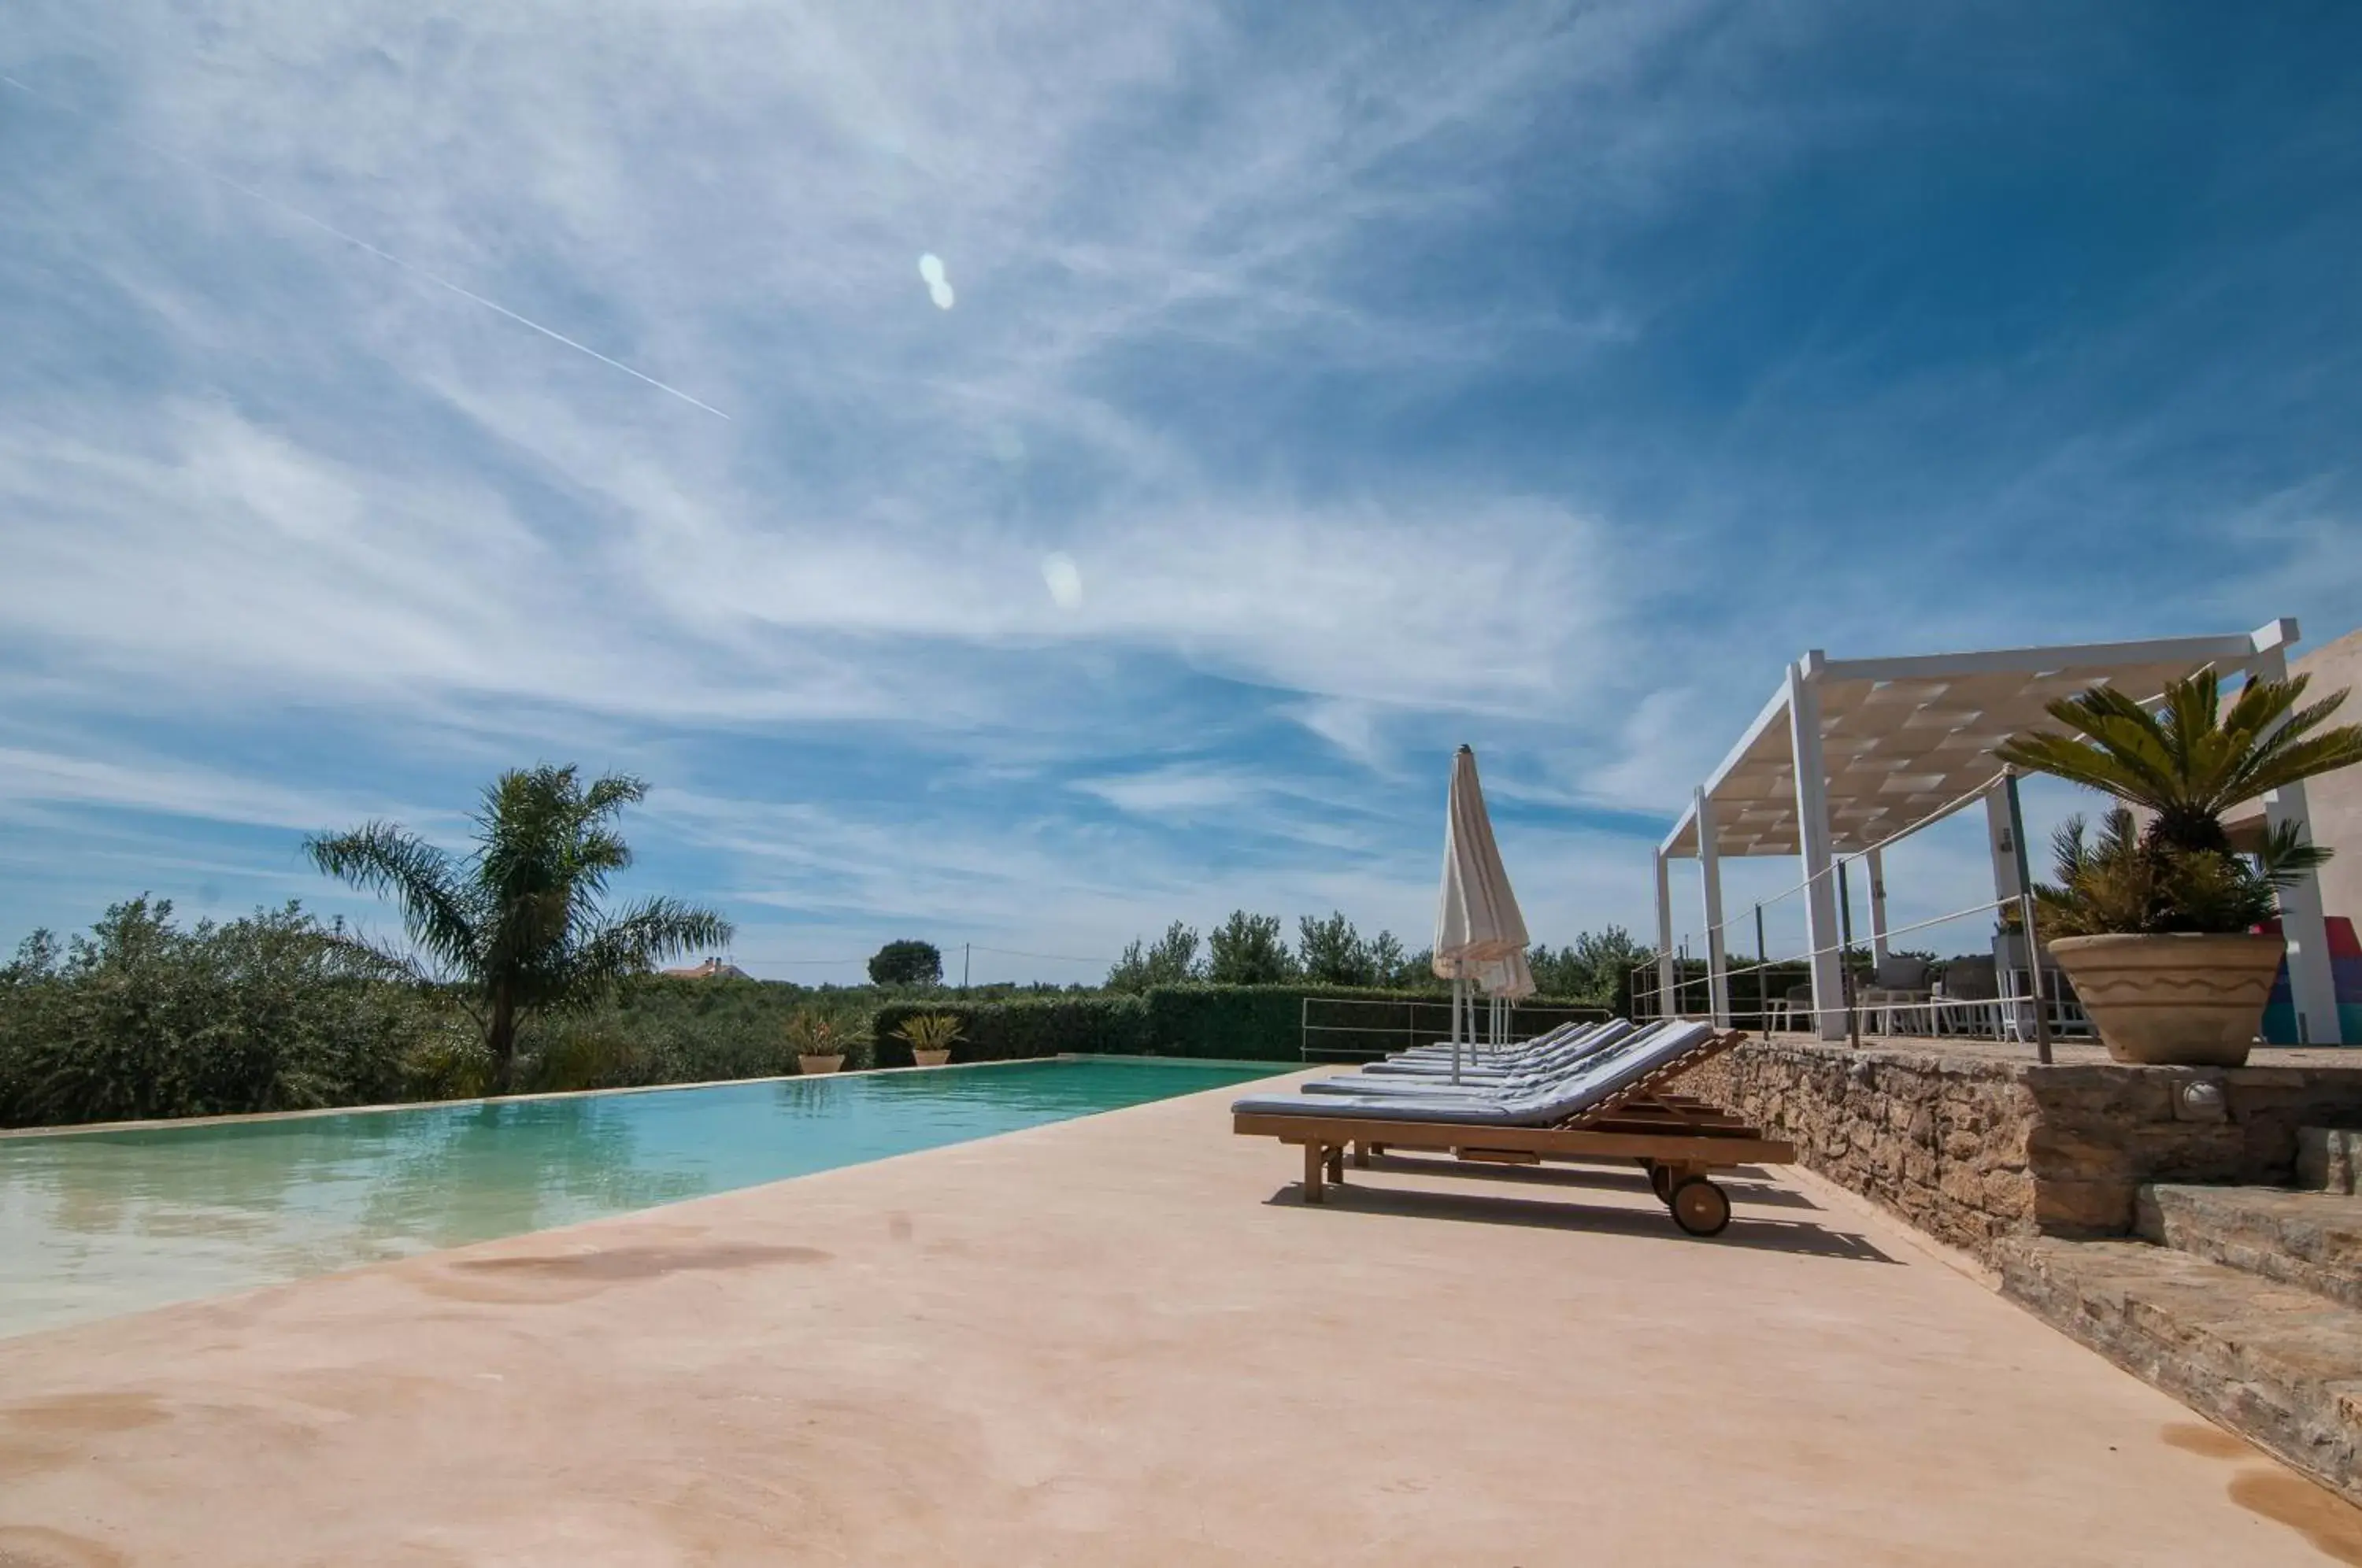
(964, 968)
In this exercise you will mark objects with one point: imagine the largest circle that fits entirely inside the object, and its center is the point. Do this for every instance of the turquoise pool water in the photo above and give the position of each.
(96, 1223)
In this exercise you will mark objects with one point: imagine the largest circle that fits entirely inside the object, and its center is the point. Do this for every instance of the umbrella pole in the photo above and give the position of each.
(1456, 995)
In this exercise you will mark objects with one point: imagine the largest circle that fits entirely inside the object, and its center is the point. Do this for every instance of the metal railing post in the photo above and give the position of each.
(1762, 974)
(1845, 957)
(2025, 920)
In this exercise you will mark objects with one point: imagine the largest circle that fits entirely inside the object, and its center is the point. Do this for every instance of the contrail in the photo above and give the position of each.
(355, 241)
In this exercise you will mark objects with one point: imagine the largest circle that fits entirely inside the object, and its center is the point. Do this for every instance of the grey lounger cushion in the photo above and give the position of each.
(1574, 1047)
(1475, 1085)
(1502, 1063)
(1614, 1069)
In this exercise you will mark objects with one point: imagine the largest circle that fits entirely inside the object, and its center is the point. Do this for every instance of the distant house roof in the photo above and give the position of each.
(711, 969)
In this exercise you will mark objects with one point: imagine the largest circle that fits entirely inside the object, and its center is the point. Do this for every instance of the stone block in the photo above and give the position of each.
(2328, 1158)
(2084, 1208)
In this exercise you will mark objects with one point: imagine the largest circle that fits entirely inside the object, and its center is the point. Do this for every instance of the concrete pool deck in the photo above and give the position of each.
(1121, 1340)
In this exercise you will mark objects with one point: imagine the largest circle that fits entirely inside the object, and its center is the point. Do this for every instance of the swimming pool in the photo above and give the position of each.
(96, 1223)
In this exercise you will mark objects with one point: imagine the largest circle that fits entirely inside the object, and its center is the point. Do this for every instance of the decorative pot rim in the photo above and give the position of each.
(2113, 938)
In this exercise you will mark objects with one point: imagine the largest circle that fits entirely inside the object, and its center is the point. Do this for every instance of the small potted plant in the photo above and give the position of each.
(2156, 926)
(931, 1036)
(813, 1036)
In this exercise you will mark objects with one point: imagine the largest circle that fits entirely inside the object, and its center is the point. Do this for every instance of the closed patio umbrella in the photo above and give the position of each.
(1477, 918)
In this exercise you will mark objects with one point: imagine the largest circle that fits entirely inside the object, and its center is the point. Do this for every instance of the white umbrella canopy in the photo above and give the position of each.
(1509, 978)
(1476, 918)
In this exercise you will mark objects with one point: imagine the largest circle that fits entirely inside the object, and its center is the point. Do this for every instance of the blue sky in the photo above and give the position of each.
(1323, 385)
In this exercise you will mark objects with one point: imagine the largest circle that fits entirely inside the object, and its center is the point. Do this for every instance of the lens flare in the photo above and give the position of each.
(938, 281)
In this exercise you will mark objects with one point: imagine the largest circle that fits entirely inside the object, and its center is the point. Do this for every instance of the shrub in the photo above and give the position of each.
(141, 1018)
(452, 1063)
(929, 1031)
(2118, 884)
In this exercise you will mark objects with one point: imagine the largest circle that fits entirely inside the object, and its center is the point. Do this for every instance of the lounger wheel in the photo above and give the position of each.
(1661, 1182)
(1700, 1208)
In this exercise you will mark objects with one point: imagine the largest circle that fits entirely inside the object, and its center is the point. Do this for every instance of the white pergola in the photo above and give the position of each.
(1849, 754)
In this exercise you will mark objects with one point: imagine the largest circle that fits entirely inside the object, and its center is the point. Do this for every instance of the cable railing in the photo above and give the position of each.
(2039, 999)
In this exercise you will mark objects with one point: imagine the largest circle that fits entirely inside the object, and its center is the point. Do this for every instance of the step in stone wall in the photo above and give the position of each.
(2278, 1365)
(2310, 1240)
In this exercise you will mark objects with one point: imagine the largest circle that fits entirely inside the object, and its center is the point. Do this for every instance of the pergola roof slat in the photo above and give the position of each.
(1901, 736)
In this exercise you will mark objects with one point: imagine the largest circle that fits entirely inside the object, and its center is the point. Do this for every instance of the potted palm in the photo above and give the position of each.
(931, 1036)
(2156, 926)
(812, 1034)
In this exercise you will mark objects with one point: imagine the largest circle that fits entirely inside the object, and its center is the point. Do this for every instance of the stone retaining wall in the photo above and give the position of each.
(1972, 1149)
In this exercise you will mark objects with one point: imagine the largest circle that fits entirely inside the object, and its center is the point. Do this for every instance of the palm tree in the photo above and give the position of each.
(2192, 761)
(516, 926)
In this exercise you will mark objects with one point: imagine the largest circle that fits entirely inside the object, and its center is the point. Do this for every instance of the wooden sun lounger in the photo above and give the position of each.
(1677, 1139)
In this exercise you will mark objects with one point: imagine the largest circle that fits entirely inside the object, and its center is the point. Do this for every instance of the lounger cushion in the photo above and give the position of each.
(1474, 1082)
(1598, 1079)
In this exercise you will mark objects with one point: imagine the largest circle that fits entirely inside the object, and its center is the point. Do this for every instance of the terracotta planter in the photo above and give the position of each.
(931, 1058)
(818, 1064)
(2177, 1001)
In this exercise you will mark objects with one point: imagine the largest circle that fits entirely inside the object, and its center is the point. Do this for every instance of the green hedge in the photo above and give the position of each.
(1253, 1024)
(1022, 1027)
(1266, 1024)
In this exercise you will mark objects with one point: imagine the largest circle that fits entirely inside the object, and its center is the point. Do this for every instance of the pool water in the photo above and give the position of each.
(97, 1223)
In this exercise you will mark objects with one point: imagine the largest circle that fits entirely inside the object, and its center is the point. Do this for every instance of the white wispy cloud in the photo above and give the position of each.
(178, 789)
(1282, 328)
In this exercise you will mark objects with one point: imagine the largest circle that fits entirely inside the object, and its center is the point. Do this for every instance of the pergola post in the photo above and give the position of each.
(1718, 979)
(1877, 907)
(1664, 938)
(2010, 949)
(1814, 846)
(2313, 982)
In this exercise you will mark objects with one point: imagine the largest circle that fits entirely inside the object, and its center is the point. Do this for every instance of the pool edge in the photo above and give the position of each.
(151, 1124)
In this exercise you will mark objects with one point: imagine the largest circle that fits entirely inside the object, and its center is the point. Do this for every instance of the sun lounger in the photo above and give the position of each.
(1582, 1042)
(1440, 1050)
(1611, 1108)
(1523, 1050)
(1558, 1063)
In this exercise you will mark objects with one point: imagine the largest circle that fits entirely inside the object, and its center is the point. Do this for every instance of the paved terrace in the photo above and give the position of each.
(1121, 1340)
